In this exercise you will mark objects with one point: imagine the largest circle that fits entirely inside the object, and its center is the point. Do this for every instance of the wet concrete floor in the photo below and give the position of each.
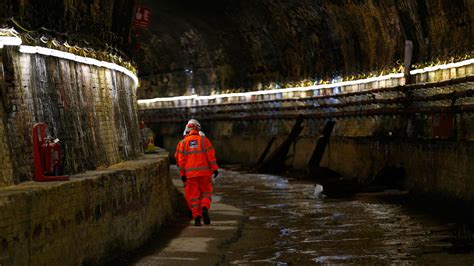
(280, 221)
(179, 242)
(287, 224)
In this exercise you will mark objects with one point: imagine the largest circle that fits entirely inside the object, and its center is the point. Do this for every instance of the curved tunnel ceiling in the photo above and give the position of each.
(226, 44)
(222, 45)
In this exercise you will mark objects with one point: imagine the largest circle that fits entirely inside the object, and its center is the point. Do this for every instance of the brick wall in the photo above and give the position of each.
(91, 110)
(88, 219)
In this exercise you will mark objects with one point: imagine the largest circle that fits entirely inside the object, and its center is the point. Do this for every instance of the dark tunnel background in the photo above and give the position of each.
(247, 45)
(226, 45)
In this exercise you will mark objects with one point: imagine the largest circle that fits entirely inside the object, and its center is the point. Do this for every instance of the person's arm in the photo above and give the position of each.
(211, 155)
(176, 154)
(182, 159)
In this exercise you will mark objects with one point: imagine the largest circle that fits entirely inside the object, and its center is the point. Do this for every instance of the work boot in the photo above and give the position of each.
(197, 221)
(205, 215)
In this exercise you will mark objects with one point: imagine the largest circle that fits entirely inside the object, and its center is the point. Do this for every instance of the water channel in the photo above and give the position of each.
(288, 223)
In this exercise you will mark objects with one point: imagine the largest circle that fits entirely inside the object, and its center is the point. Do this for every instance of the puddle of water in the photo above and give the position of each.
(289, 222)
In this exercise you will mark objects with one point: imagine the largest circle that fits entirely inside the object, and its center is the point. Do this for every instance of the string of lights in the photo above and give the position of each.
(49, 38)
(10, 37)
(318, 87)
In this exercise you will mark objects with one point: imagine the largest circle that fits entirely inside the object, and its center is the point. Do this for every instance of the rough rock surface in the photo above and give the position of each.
(244, 45)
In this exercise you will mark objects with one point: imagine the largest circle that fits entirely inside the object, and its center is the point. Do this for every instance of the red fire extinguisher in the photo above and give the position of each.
(47, 155)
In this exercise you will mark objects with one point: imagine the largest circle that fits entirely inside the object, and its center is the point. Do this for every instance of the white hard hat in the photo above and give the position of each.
(193, 123)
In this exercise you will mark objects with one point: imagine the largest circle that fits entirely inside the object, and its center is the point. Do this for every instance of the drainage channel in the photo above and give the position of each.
(288, 222)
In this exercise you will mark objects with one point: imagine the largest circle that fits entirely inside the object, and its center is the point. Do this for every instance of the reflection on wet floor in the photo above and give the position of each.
(289, 223)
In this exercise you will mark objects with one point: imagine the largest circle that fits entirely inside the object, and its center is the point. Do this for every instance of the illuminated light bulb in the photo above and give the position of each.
(94, 62)
(177, 98)
(442, 66)
(43, 51)
(10, 40)
(69, 56)
(26, 49)
(390, 78)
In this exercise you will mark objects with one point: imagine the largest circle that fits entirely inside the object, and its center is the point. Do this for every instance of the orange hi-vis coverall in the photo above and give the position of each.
(197, 161)
(176, 154)
(176, 157)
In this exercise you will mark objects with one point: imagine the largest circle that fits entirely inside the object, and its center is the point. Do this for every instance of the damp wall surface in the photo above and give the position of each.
(359, 148)
(423, 130)
(93, 218)
(226, 45)
(92, 110)
(98, 23)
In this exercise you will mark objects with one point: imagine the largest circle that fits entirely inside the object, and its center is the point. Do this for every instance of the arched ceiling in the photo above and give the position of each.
(221, 45)
(86, 23)
(227, 44)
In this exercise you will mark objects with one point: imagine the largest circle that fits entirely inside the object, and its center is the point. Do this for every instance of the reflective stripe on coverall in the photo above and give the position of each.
(197, 161)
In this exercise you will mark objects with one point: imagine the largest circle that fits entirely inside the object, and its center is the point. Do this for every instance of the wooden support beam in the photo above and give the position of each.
(276, 162)
(265, 151)
(323, 141)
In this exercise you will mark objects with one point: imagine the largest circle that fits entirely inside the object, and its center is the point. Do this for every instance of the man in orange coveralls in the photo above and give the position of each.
(197, 162)
(176, 156)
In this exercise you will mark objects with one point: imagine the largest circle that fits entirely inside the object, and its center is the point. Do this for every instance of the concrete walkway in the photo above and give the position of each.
(186, 244)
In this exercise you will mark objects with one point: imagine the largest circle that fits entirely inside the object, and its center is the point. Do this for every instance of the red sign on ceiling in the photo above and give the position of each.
(142, 17)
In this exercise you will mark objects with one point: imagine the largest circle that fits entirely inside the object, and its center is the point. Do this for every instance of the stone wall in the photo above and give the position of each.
(359, 148)
(221, 45)
(97, 23)
(5, 161)
(92, 110)
(440, 168)
(87, 220)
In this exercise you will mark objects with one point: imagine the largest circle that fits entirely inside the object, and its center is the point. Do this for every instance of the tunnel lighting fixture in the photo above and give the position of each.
(9, 40)
(169, 99)
(309, 88)
(13, 40)
(26, 49)
(265, 92)
(443, 66)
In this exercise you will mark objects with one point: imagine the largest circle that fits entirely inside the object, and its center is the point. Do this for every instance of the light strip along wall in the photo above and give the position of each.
(309, 88)
(16, 41)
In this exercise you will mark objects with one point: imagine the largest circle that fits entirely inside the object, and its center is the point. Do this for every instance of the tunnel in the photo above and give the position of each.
(280, 132)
